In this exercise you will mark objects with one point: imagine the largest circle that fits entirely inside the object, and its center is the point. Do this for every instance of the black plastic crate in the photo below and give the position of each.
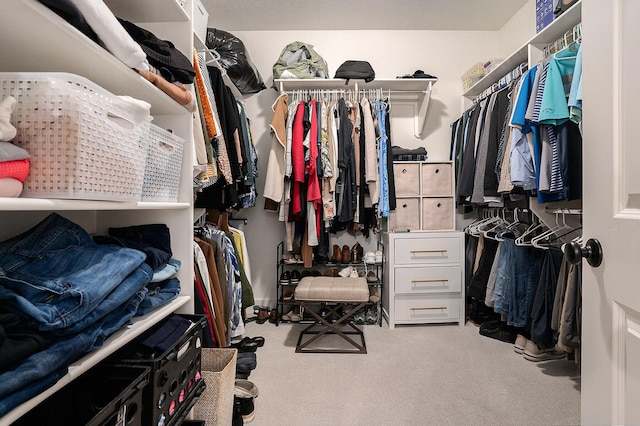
(175, 380)
(106, 395)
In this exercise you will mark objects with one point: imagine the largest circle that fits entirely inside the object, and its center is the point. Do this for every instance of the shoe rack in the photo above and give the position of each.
(345, 261)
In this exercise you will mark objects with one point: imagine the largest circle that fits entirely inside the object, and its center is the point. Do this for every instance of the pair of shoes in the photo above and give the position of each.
(285, 278)
(372, 277)
(331, 272)
(373, 294)
(248, 344)
(371, 315)
(293, 315)
(498, 330)
(348, 272)
(520, 344)
(533, 353)
(360, 316)
(373, 257)
(295, 277)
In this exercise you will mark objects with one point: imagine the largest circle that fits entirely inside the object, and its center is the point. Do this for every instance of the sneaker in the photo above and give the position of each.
(371, 315)
(520, 344)
(287, 316)
(360, 316)
(372, 277)
(295, 277)
(378, 257)
(370, 258)
(285, 278)
(295, 315)
(245, 407)
(346, 272)
(245, 389)
(533, 353)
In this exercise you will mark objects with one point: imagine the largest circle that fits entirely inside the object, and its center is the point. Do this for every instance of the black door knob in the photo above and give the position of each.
(592, 251)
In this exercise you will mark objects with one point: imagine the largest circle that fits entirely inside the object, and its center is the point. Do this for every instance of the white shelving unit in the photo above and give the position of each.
(416, 91)
(531, 53)
(27, 33)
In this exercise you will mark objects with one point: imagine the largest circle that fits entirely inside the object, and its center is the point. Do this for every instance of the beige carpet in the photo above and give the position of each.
(412, 375)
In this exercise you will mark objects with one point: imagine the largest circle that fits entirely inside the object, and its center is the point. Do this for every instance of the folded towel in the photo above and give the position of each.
(10, 152)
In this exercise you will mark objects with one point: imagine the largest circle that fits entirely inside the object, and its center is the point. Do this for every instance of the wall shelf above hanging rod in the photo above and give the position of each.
(406, 90)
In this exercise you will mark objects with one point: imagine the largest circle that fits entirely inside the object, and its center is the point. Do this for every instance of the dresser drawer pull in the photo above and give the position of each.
(435, 308)
(428, 251)
(429, 281)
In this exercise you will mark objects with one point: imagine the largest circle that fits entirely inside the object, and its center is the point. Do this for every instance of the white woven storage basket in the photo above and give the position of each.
(84, 142)
(218, 369)
(163, 165)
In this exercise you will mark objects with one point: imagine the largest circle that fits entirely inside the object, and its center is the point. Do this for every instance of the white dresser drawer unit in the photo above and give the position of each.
(424, 276)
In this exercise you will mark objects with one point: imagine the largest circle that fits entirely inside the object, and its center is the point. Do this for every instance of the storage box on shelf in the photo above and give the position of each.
(424, 195)
(104, 396)
(163, 165)
(175, 379)
(84, 142)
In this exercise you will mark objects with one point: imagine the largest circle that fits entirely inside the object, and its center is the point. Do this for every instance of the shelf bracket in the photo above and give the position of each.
(421, 117)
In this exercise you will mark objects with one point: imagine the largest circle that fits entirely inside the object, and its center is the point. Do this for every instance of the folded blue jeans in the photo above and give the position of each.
(159, 294)
(37, 369)
(57, 275)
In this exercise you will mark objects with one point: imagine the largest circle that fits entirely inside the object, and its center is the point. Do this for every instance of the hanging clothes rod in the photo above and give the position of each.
(503, 81)
(572, 35)
(562, 211)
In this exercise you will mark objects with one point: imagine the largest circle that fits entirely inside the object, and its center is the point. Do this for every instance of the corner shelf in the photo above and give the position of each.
(407, 90)
(548, 35)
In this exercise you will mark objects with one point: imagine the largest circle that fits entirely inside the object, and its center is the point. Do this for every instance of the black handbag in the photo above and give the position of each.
(357, 70)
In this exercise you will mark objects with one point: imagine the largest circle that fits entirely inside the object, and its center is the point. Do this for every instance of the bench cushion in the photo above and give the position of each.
(332, 289)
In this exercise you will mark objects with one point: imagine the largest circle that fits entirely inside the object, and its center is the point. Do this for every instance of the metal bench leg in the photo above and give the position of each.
(331, 328)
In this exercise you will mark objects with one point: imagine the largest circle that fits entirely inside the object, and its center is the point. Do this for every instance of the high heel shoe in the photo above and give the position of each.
(356, 253)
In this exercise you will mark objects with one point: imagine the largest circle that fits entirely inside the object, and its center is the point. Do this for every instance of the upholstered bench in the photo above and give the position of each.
(349, 295)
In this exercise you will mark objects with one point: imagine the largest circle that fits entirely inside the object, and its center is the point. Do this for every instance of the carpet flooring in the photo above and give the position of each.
(411, 375)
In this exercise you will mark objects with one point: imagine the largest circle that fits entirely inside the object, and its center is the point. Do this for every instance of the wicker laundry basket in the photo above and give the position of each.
(215, 405)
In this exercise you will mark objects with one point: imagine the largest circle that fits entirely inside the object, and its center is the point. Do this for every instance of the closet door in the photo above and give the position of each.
(611, 203)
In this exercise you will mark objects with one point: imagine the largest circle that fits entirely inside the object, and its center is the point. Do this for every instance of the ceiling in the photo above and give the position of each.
(264, 15)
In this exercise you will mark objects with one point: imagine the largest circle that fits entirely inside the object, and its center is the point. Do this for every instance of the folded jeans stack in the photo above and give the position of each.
(91, 289)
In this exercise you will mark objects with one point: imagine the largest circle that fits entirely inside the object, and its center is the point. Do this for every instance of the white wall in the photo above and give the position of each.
(445, 54)
(518, 30)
